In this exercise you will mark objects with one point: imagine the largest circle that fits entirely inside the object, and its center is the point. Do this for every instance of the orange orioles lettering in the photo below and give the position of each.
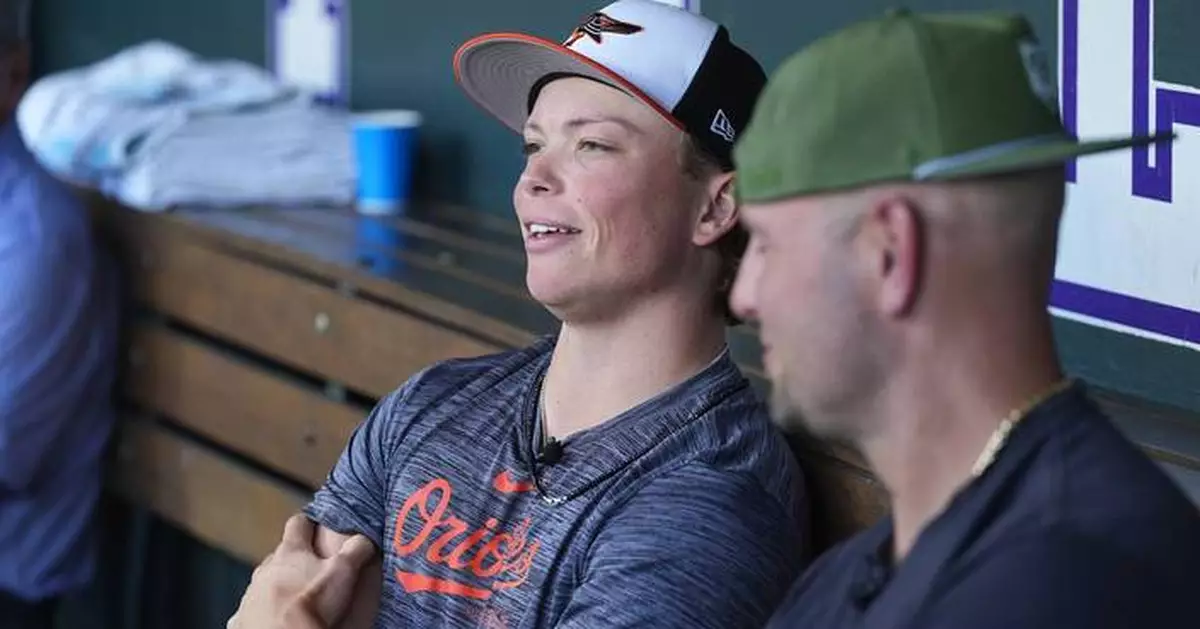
(487, 558)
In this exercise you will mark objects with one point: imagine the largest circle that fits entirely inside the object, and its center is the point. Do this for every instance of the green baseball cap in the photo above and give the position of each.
(908, 97)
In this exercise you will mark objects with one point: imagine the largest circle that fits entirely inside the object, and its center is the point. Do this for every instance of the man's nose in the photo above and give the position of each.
(539, 177)
(743, 295)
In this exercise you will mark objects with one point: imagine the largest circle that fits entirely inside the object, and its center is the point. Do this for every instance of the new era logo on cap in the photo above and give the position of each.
(679, 63)
(722, 127)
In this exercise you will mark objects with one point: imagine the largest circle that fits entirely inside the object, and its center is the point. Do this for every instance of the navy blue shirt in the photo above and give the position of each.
(58, 357)
(685, 511)
(1071, 527)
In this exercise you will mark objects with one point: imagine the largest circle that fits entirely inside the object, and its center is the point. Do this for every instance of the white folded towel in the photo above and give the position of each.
(156, 126)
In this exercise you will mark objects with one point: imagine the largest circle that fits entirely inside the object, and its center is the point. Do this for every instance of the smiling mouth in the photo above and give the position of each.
(545, 230)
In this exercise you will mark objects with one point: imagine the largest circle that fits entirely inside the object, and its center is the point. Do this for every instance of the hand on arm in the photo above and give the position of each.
(353, 498)
(294, 588)
(364, 603)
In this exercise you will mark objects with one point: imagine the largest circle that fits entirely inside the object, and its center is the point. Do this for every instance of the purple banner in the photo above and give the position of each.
(1169, 321)
(1150, 181)
(1172, 107)
(1069, 38)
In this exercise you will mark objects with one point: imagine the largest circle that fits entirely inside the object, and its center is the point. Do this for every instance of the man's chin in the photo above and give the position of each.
(564, 308)
(578, 304)
(551, 294)
(791, 418)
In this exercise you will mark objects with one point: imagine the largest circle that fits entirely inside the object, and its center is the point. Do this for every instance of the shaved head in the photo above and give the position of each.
(1002, 228)
(852, 289)
(1008, 221)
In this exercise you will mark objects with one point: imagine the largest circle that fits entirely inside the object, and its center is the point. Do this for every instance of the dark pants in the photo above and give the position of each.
(16, 613)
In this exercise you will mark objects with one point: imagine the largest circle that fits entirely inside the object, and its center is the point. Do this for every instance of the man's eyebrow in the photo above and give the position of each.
(576, 123)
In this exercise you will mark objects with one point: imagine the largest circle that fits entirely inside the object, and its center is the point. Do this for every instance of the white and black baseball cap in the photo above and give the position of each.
(681, 64)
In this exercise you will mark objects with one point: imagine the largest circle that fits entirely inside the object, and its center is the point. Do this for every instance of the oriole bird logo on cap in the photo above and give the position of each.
(597, 24)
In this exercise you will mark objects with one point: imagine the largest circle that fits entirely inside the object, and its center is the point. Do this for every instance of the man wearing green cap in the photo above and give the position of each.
(903, 182)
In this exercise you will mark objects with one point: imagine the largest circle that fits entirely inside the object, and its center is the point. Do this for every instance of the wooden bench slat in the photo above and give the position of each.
(128, 231)
(385, 246)
(280, 240)
(219, 502)
(298, 322)
(283, 425)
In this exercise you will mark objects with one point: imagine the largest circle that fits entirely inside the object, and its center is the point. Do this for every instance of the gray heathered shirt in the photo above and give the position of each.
(685, 511)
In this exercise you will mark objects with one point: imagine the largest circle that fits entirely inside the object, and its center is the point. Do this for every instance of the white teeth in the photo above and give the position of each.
(538, 229)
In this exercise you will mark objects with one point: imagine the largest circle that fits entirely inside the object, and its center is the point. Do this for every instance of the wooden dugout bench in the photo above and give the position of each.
(258, 339)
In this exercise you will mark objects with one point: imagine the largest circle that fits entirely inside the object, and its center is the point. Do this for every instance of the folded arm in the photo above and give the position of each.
(293, 588)
(364, 607)
(352, 501)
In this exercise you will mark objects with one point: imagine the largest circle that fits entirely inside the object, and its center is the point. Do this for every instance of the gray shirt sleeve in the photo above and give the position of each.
(693, 549)
(352, 500)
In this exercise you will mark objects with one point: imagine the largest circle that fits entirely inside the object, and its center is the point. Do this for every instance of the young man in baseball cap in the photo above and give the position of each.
(903, 183)
(622, 472)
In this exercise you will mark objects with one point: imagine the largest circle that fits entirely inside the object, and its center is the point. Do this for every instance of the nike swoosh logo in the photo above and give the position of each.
(506, 484)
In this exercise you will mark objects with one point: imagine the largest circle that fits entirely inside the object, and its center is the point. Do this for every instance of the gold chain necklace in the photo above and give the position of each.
(1000, 434)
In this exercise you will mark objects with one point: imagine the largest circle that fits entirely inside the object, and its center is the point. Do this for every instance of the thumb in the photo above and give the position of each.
(356, 551)
(331, 593)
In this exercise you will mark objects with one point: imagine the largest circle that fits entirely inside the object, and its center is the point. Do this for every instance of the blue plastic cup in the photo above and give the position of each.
(385, 147)
(376, 241)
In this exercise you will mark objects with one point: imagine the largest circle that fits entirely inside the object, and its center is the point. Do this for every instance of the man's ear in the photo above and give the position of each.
(893, 245)
(720, 212)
